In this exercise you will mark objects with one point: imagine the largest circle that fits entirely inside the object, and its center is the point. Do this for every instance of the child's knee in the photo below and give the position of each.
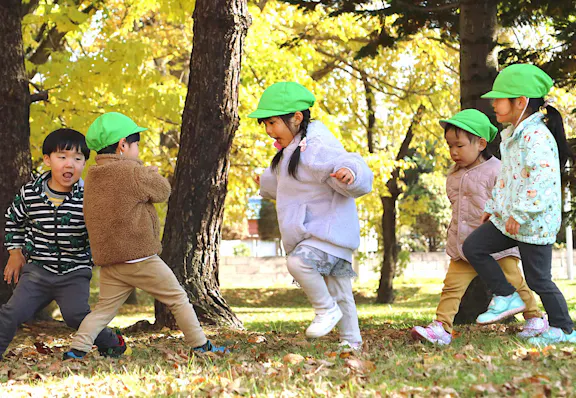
(294, 265)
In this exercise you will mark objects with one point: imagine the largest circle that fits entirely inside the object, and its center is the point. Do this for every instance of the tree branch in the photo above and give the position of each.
(39, 96)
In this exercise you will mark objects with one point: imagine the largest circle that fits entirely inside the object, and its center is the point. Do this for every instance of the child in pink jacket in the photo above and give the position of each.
(469, 186)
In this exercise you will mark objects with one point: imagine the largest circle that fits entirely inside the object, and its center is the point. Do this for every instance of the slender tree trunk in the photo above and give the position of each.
(14, 113)
(478, 68)
(388, 269)
(193, 223)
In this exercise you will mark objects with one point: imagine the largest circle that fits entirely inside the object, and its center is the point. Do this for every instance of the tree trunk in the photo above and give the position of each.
(388, 269)
(478, 69)
(478, 56)
(14, 114)
(193, 224)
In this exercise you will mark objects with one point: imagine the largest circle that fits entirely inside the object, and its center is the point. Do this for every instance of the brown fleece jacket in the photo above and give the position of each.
(120, 216)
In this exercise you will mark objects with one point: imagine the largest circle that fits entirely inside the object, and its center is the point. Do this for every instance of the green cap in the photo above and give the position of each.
(110, 128)
(283, 98)
(473, 121)
(521, 80)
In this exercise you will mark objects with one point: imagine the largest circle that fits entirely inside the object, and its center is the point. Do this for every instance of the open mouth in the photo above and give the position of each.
(67, 175)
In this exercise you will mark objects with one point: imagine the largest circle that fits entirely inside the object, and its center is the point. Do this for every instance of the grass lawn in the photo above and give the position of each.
(273, 358)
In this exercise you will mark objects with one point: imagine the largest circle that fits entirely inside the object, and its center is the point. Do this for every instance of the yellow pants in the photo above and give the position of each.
(154, 277)
(460, 275)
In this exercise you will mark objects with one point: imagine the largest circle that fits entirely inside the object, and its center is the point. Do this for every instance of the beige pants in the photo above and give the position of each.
(460, 274)
(154, 277)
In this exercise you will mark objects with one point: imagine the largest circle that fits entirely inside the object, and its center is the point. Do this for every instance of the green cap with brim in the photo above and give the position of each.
(283, 98)
(474, 122)
(110, 128)
(521, 80)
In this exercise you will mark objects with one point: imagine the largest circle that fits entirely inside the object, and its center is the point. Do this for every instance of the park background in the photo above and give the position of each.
(384, 73)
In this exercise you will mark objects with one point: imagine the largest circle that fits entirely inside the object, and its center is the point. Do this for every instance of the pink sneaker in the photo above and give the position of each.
(534, 327)
(434, 333)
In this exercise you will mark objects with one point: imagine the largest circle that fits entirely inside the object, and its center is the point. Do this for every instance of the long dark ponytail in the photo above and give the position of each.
(295, 158)
(556, 126)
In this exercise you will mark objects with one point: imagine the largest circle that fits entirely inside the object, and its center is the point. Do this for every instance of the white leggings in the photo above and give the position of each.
(324, 291)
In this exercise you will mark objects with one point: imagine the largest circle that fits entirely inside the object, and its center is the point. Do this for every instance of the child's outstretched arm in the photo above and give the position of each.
(347, 173)
(153, 187)
(268, 184)
(15, 232)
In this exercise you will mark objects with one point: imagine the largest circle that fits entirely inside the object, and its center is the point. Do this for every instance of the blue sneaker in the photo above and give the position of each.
(553, 336)
(209, 347)
(73, 354)
(501, 307)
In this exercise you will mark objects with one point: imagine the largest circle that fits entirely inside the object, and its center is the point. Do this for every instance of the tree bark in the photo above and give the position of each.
(478, 56)
(388, 269)
(210, 119)
(14, 114)
(478, 69)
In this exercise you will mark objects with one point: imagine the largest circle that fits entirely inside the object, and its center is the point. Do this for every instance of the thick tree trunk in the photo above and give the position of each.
(478, 68)
(193, 223)
(14, 113)
(478, 55)
(388, 270)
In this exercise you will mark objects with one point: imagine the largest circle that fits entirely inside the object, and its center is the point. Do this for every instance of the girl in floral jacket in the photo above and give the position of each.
(525, 209)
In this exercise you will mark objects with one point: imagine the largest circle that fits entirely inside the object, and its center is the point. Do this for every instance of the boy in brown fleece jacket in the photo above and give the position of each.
(124, 233)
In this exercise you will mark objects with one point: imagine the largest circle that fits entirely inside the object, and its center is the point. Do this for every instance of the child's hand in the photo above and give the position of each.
(344, 175)
(15, 263)
(512, 226)
(256, 178)
(485, 217)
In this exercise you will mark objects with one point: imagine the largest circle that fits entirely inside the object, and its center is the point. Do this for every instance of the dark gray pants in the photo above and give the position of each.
(38, 287)
(537, 265)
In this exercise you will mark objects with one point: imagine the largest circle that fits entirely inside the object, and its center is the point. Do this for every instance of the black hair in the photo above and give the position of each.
(553, 120)
(111, 149)
(486, 153)
(295, 158)
(65, 140)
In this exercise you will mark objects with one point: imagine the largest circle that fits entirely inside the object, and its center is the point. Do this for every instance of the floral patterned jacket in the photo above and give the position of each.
(528, 186)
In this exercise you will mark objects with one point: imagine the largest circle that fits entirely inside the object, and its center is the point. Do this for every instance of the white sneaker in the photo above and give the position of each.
(345, 345)
(324, 323)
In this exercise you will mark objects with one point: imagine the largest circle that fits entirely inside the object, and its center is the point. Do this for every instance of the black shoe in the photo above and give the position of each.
(116, 351)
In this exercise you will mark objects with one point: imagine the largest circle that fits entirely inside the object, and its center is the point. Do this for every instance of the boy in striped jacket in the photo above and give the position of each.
(46, 237)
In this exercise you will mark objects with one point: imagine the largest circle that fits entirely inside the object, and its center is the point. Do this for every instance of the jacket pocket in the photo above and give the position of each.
(291, 221)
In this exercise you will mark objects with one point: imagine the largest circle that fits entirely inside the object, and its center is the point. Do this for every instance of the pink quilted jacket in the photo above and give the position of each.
(468, 191)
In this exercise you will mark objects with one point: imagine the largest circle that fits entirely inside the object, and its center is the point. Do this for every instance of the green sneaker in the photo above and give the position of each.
(553, 336)
(501, 307)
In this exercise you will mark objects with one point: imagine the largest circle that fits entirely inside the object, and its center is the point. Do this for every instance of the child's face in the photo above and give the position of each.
(280, 131)
(462, 151)
(508, 111)
(67, 166)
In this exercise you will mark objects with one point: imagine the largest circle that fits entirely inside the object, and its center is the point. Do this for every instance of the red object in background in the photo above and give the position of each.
(252, 227)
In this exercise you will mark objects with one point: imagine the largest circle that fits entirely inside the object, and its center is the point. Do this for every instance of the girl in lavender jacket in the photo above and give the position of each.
(314, 182)
(469, 185)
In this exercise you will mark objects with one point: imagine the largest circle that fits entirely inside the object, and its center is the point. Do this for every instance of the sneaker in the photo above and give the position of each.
(116, 351)
(345, 345)
(324, 323)
(73, 354)
(434, 333)
(209, 347)
(533, 327)
(501, 307)
(553, 336)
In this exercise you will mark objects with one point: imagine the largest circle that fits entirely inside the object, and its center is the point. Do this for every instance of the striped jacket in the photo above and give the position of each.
(53, 237)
